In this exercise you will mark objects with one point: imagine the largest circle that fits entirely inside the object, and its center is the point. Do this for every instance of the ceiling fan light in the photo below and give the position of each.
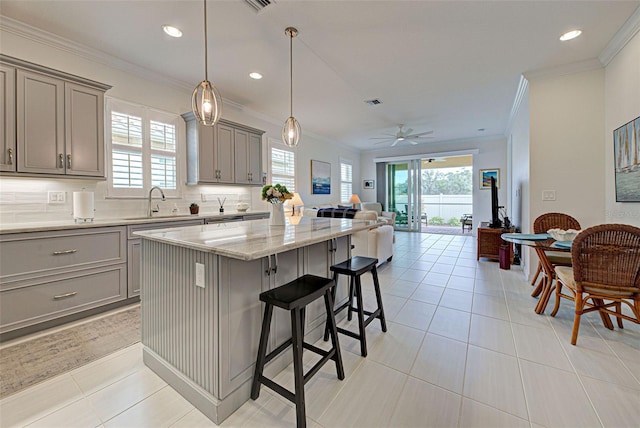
(291, 132)
(206, 103)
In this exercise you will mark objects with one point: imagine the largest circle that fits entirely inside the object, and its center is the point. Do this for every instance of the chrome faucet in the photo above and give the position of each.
(150, 211)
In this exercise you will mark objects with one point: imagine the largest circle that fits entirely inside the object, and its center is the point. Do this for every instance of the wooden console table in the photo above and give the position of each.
(489, 242)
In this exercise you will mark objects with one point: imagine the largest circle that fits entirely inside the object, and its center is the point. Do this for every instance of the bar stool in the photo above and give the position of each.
(354, 268)
(294, 297)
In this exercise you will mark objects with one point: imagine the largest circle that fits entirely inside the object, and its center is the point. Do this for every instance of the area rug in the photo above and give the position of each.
(27, 363)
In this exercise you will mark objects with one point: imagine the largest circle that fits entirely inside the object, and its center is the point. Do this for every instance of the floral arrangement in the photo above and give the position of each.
(275, 194)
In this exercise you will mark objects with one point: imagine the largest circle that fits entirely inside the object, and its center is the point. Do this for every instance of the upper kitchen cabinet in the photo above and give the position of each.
(8, 117)
(59, 122)
(227, 153)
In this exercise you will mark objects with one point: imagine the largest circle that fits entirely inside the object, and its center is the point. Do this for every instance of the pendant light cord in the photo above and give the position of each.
(206, 71)
(291, 67)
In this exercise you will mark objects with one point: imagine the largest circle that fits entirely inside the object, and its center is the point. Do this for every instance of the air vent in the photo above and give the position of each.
(259, 5)
(373, 102)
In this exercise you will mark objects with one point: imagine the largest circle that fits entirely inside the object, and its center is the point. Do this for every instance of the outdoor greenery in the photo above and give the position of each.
(453, 221)
(447, 182)
(436, 221)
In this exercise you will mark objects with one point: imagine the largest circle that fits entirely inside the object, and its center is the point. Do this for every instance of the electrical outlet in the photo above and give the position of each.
(548, 195)
(54, 197)
(200, 275)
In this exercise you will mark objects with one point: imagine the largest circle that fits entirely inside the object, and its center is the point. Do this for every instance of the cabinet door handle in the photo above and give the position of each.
(59, 253)
(274, 269)
(249, 176)
(61, 159)
(10, 157)
(268, 271)
(69, 161)
(65, 295)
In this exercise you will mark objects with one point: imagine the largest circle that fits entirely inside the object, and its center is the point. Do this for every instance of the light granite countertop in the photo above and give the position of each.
(250, 240)
(70, 224)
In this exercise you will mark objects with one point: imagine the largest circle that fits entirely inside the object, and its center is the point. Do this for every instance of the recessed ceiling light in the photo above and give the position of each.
(172, 31)
(570, 35)
(255, 75)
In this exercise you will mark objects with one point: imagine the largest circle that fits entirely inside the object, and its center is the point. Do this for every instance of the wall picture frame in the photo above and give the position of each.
(485, 178)
(320, 178)
(626, 158)
(368, 184)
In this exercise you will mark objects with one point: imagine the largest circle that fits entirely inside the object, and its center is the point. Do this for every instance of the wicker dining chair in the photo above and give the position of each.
(606, 270)
(541, 225)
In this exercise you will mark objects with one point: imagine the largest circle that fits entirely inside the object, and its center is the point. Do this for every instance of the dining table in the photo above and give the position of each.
(541, 243)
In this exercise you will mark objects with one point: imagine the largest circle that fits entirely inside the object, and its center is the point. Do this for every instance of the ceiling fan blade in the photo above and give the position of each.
(407, 132)
(413, 143)
(420, 134)
(381, 142)
(395, 142)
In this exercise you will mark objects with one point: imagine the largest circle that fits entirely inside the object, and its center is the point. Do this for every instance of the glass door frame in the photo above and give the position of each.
(414, 187)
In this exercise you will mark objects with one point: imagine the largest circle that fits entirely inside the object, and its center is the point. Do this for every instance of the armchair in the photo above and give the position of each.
(386, 216)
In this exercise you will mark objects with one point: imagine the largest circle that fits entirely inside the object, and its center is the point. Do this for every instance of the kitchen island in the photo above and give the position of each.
(201, 313)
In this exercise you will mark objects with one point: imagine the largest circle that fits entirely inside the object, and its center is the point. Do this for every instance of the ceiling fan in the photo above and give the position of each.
(402, 135)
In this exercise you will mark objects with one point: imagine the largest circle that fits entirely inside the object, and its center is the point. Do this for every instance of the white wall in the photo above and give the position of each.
(491, 153)
(622, 104)
(567, 126)
(24, 199)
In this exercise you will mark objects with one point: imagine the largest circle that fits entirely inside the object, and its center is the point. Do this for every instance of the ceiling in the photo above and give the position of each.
(448, 66)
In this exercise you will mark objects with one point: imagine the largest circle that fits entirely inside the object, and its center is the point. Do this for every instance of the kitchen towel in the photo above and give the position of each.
(83, 205)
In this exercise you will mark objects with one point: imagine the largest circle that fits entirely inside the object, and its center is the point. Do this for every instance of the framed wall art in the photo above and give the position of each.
(485, 177)
(320, 178)
(368, 184)
(626, 155)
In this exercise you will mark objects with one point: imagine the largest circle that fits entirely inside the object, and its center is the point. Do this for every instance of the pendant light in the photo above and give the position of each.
(291, 131)
(206, 102)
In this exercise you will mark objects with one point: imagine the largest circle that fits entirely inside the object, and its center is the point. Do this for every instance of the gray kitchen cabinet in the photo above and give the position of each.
(40, 123)
(227, 153)
(84, 127)
(224, 153)
(133, 250)
(45, 276)
(59, 122)
(8, 117)
(248, 152)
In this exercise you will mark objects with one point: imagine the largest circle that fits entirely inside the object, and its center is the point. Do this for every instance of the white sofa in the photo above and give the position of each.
(376, 242)
(387, 216)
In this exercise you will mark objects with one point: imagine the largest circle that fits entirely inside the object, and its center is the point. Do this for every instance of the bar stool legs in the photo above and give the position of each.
(354, 268)
(294, 297)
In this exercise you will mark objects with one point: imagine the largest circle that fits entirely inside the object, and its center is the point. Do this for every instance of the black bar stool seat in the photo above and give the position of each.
(354, 268)
(294, 297)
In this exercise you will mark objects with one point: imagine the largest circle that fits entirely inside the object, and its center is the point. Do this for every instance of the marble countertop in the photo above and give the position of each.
(70, 224)
(250, 240)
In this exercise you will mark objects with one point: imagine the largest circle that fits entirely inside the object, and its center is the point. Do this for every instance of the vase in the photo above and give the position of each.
(277, 215)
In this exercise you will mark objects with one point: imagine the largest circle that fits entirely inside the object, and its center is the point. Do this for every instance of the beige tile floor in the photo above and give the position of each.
(464, 349)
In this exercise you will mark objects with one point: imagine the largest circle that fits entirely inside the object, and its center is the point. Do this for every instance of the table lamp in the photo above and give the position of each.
(354, 200)
(296, 200)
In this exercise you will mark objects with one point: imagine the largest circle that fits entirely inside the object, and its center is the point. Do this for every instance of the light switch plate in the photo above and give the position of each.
(548, 195)
(200, 275)
(55, 197)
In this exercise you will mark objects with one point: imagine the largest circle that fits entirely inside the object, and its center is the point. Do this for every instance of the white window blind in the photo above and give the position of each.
(143, 150)
(346, 181)
(283, 168)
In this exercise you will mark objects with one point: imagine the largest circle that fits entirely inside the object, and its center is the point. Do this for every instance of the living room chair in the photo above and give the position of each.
(606, 270)
(541, 225)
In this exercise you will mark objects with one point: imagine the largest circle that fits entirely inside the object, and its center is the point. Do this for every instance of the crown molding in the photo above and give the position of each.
(628, 30)
(52, 40)
(523, 87)
(562, 70)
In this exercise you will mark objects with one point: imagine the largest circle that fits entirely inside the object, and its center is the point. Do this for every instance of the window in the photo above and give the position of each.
(283, 168)
(346, 181)
(143, 150)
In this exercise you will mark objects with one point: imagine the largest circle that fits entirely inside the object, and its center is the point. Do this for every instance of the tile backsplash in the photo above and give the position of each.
(25, 200)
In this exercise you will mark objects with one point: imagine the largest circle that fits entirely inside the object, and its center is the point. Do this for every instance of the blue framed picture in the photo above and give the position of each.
(320, 178)
(626, 155)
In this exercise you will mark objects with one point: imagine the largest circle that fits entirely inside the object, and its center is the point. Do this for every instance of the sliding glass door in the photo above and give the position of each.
(403, 194)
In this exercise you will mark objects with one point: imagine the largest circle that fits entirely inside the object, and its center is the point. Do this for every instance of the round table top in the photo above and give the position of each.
(547, 244)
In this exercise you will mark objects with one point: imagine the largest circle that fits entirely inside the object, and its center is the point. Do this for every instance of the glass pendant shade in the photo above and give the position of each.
(291, 132)
(206, 103)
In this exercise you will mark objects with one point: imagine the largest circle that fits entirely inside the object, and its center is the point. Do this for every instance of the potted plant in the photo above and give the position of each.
(194, 208)
(276, 195)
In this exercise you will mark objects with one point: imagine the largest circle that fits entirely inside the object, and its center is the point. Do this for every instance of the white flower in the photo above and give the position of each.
(277, 194)
(270, 191)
